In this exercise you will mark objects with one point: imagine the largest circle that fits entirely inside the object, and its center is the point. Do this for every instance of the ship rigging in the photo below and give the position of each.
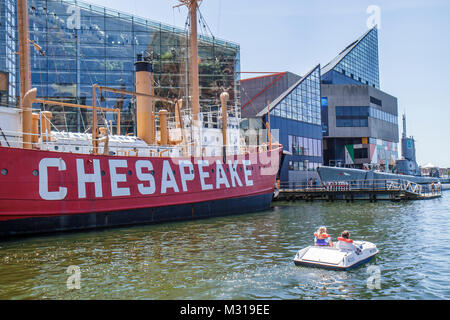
(186, 161)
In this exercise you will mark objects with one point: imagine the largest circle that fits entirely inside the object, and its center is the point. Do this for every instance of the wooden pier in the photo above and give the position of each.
(371, 190)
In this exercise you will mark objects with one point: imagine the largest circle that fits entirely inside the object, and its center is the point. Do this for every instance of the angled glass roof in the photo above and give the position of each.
(301, 102)
(359, 60)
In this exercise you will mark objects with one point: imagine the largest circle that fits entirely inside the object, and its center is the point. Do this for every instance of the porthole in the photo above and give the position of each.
(130, 173)
(56, 147)
(4, 172)
(77, 148)
(35, 173)
(103, 173)
(153, 172)
(212, 170)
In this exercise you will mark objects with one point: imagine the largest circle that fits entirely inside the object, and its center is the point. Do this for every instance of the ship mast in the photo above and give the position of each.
(24, 48)
(192, 5)
(25, 72)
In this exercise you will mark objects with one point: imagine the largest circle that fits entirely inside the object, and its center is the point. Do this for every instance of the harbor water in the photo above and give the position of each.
(246, 256)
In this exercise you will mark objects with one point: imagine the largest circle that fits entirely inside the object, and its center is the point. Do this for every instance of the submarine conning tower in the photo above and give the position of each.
(408, 165)
(408, 144)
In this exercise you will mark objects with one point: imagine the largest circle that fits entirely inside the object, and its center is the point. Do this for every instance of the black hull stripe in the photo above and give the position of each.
(88, 221)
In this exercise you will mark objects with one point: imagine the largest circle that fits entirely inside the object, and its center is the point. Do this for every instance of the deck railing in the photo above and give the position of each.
(376, 185)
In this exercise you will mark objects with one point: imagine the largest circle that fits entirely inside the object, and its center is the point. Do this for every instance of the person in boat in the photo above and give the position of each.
(345, 243)
(322, 238)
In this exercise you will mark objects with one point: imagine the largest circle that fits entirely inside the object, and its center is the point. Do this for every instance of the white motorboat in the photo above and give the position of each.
(336, 258)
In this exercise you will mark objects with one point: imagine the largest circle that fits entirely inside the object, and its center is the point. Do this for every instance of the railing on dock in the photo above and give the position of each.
(393, 189)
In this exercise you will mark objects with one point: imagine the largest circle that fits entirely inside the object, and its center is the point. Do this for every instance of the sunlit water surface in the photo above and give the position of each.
(246, 256)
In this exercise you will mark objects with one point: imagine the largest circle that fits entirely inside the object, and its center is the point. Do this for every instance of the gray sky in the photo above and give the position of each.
(295, 35)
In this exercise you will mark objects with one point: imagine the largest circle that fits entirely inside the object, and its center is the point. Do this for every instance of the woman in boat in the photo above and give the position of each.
(345, 243)
(322, 238)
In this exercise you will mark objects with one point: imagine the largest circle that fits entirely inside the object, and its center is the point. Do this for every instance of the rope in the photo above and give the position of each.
(4, 137)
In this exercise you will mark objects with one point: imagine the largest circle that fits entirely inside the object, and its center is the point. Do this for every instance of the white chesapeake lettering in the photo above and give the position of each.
(234, 177)
(182, 165)
(44, 164)
(168, 178)
(221, 177)
(203, 175)
(84, 178)
(118, 177)
(247, 173)
(145, 177)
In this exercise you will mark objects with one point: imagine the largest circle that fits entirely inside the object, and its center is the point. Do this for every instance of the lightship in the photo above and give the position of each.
(173, 168)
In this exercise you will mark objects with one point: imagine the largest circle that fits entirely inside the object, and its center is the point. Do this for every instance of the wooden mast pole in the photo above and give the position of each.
(193, 76)
(194, 93)
(268, 125)
(25, 73)
(193, 62)
(24, 48)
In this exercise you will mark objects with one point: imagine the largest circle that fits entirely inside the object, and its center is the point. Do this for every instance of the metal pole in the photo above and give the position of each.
(269, 127)
(94, 120)
(224, 96)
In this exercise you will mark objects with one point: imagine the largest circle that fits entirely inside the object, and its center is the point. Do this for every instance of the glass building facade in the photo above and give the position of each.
(303, 102)
(75, 45)
(356, 64)
(354, 116)
(297, 116)
(360, 122)
(361, 63)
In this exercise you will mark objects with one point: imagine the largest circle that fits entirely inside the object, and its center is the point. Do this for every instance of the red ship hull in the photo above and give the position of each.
(45, 191)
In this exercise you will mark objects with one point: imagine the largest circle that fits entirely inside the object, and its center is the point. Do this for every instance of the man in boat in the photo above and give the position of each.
(345, 243)
(322, 238)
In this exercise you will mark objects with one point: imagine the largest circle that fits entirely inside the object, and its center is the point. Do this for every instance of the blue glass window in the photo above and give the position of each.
(362, 61)
(303, 103)
(347, 116)
(361, 114)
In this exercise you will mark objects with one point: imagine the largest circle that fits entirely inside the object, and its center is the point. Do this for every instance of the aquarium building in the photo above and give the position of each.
(75, 44)
(359, 121)
(293, 104)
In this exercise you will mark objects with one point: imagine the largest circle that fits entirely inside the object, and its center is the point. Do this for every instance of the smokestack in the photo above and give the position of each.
(144, 84)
